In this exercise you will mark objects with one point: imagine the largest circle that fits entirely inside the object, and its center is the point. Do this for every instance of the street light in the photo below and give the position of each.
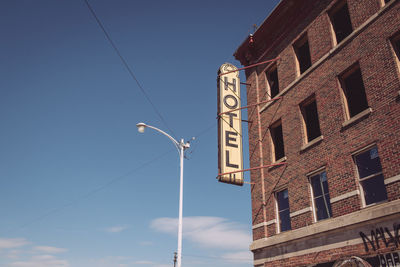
(180, 146)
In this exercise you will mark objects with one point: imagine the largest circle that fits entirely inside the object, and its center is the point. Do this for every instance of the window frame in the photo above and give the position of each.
(337, 6)
(343, 89)
(278, 221)
(272, 128)
(268, 71)
(302, 106)
(384, 2)
(314, 207)
(296, 48)
(360, 180)
(396, 48)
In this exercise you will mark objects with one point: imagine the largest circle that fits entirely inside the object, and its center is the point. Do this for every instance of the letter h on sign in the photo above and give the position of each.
(228, 85)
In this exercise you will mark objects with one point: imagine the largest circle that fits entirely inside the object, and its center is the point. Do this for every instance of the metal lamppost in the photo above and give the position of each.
(180, 146)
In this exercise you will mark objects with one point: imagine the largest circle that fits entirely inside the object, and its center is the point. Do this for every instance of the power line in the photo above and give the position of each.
(211, 126)
(194, 140)
(92, 192)
(127, 66)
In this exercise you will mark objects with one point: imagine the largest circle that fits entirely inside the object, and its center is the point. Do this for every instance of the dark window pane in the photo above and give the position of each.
(321, 208)
(355, 93)
(273, 82)
(284, 218)
(324, 182)
(277, 138)
(283, 200)
(322, 202)
(316, 185)
(303, 55)
(283, 210)
(328, 203)
(374, 190)
(368, 163)
(341, 23)
(312, 121)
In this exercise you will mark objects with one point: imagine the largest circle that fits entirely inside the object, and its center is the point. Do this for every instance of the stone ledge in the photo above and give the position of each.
(264, 224)
(299, 212)
(366, 214)
(276, 162)
(344, 196)
(312, 142)
(357, 117)
(392, 179)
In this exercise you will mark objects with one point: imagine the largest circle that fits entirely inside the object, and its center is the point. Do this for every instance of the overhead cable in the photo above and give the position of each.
(127, 66)
(92, 192)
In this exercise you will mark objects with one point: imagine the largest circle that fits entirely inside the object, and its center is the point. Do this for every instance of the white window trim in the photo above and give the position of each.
(359, 180)
(278, 225)
(318, 171)
(312, 198)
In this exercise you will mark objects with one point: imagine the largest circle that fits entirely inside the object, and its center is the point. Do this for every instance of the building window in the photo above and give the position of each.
(354, 91)
(370, 174)
(396, 46)
(278, 148)
(310, 118)
(384, 2)
(320, 191)
(302, 51)
(282, 199)
(340, 19)
(272, 80)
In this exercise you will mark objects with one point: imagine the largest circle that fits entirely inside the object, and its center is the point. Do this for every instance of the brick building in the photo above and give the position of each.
(333, 124)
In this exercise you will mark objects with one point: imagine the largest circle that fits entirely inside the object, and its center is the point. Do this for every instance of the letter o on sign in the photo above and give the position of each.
(234, 100)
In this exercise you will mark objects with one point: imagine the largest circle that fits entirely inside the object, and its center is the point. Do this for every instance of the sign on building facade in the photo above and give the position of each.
(230, 149)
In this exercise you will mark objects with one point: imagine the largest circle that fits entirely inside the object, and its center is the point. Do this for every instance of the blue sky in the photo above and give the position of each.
(79, 186)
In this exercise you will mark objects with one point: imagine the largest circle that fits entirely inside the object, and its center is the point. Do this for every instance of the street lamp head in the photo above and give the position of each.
(141, 126)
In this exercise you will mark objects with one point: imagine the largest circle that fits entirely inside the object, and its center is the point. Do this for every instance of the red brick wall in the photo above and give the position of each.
(327, 256)
(346, 206)
(370, 48)
(320, 37)
(361, 10)
(301, 220)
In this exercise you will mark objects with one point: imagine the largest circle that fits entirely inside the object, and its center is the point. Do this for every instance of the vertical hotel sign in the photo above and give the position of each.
(230, 150)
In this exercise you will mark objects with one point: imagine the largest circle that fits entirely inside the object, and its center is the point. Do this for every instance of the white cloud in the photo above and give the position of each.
(116, 229)
(6, 243)
(49, 250)
(13, 254)
(23, 257)
(42, 261)
(209, 232)
(241, 256)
